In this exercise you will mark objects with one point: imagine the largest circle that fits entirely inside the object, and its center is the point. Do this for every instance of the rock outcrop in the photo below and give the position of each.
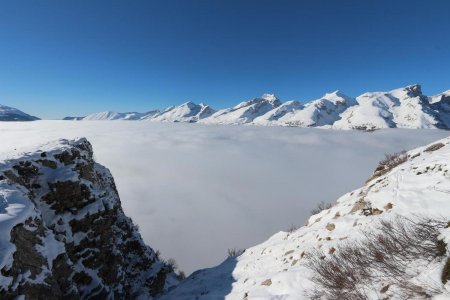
(63, 233)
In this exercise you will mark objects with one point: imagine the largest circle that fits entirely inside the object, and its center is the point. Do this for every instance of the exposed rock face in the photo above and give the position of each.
(64, 234)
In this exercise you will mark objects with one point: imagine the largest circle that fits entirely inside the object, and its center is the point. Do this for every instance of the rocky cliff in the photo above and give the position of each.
(63, 233)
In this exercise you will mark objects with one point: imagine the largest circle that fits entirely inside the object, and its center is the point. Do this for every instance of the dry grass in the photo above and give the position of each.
(383, 256)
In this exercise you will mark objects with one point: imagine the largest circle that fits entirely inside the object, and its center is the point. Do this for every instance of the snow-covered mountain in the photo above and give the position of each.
(405, 107)
(272, 116)
(187, 112)
(245, 112)
(13, 114)
(386, 240)
(110, 115)
(63, 233)
(320, 112)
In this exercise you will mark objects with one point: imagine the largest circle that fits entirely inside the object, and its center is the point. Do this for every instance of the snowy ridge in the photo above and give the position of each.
(110, 115)
(13, 114)
(400, 108)
(245, 112)
(277, 268)
(320, 112)
(64, 234)
(187, 112)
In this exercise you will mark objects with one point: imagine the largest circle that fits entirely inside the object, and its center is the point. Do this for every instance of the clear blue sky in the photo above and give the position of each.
(61, 58)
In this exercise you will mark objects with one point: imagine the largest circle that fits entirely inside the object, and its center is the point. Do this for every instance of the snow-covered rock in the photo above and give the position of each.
(63, 233)
(13, 114)
(417, 185)
(187, 112)
(245, 112)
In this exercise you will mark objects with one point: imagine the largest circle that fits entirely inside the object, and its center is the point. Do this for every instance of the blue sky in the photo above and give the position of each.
(61, 58)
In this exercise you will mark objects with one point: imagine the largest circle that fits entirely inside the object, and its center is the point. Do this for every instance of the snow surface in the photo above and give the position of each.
(275, 269)
(196, 190)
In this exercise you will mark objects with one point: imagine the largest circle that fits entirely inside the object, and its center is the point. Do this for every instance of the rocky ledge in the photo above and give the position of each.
(63, 233)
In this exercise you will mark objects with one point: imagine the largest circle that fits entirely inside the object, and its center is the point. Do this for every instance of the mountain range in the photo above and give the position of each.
(405, 107)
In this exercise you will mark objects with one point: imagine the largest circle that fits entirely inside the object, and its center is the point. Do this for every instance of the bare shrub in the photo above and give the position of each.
(389, 162)
(233, 252)
(158, 254)
(292, 228)
(434, 147)
(181, 275)
(382, 256)
(320, 207)
(172, 264)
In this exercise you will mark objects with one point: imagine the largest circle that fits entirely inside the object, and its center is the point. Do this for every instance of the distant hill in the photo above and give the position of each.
(13, 114)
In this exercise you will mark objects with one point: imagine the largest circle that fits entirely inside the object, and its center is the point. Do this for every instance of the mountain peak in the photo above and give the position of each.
(189, 104)
(414, 90)
(269, 97)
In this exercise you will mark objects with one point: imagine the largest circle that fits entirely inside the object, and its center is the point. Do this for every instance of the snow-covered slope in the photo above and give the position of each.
(414, 185)
(12, 114)
(186, 112)
(63, 233)
(272, 116)
(403, 108)
(245, 112)
(320, 112)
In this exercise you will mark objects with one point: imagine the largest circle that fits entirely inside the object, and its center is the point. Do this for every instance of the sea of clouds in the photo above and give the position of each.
(196, 191)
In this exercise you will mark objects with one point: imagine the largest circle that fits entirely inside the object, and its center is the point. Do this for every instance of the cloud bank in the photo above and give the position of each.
(196, 190)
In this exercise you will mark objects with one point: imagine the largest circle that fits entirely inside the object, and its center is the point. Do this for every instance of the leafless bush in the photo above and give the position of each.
(292, 228)
(233, 252)
(181, 275)
(320, 207)
(389, 162)
(393, 160)
(172, 263)
(382, 256)
(434, 147)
